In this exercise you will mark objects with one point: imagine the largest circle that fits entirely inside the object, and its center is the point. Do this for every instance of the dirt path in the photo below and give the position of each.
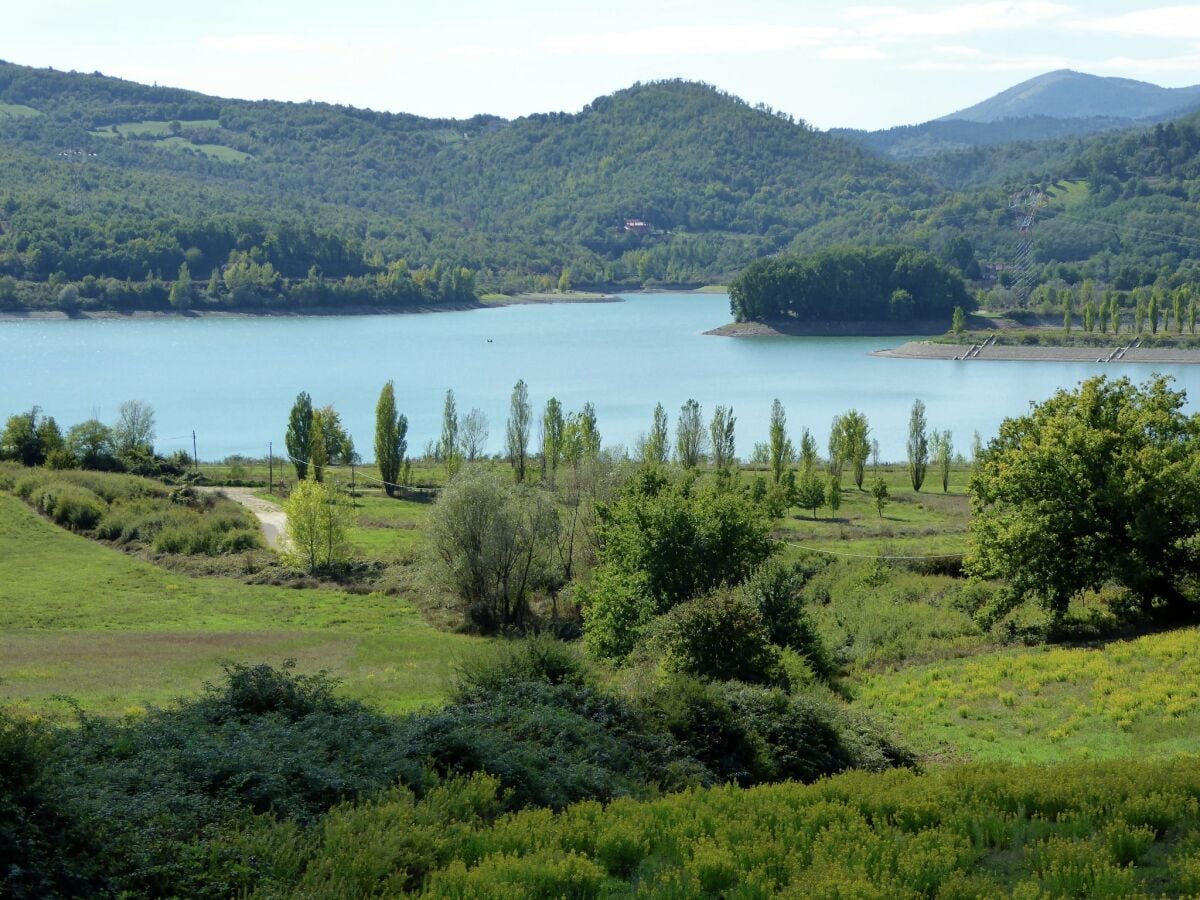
(270, 515)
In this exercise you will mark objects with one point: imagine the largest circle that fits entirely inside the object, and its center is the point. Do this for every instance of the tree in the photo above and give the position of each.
(133, 432)
(958, 322)
(181, 291)
(298, 439)
(808, 451)
(91, 444)
(552, 438)
(837, 447)
(317, 522)
(30, 438)
(1068, 313)
(448, 446)
(879, 493)
(339, 446)
(318, 449)
(662, 544)
(391, 438)
(1153, 312)
(473, 434)
(517, 431)
(917, 445)
(721, 439)
(657, 447)
(856, 443)
(1094, 485)
(689, 435)
(810, 492)
(781, 447)
(833, 496)
(943, 455)
(490, 545)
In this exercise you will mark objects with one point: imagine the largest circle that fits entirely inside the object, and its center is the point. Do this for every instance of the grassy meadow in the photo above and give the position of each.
(82, 620)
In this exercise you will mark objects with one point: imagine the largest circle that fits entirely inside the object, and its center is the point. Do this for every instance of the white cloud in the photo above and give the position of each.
(992, 64)
(690, 39)
(1171, 22)
(852, 53)
(951, 20)
(1122, 65)
(256, 43)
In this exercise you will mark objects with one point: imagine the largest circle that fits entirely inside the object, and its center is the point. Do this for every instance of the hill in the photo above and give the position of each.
(1050, 107)
(716, 182)
(1064, 94)
(110, 187)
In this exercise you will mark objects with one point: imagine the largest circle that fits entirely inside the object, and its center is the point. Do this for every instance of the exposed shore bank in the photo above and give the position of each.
(790, 328)
(1001, 352)
(489, 302)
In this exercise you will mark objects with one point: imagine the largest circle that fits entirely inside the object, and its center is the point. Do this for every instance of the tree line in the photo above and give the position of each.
(849, 284)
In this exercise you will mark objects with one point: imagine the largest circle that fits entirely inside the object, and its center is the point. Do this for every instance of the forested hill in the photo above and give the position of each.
(108, 188)
(717, 183)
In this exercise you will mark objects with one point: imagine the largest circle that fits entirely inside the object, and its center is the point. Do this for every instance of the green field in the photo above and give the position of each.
(17, 111)
(165, 137)
(1126, 698)
(83, 620)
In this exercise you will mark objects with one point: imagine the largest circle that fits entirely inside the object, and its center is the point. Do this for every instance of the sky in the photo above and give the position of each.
(848, 65)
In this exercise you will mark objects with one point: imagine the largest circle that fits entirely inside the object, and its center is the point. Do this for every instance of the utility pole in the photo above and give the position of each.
(195, 456)
(270, 467)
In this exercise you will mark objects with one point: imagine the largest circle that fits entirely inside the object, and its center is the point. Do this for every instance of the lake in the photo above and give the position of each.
(233, 380)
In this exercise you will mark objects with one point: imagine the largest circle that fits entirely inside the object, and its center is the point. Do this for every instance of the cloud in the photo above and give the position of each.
(1037, 63)
(890, 23)
(1122, 65)
(257, 43)
(852, 53)
(1169, 22)
(690, 39)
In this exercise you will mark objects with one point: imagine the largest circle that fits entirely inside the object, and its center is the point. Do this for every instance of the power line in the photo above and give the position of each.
(871, 556)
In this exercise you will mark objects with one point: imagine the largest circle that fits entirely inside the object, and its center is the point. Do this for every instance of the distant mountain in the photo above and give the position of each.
(1065, 94)
(1052, 106)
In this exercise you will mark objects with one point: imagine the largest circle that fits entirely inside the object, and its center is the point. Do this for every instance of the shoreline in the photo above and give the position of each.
(829, 329)
(53, 315)
(1004, 353)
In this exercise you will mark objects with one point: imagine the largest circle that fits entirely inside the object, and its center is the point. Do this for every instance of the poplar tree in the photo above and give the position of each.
(943, 456)
(517, 432)
(658, 441)
(856, 443)
(318, 450)
(391, 438)
(448, 446)
(721, 439)
(689, 435)
(833, 496)
(298, 439)
(781, 447)
(552, 437)
(917, 445)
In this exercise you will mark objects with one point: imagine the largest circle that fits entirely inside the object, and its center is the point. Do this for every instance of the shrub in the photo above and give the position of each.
(776, 592)
(721, 636)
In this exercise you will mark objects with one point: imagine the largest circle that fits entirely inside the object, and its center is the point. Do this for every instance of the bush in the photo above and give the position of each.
(721, 636)
(777, 593)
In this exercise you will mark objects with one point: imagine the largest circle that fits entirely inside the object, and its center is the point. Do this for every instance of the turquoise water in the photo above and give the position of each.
(233, 380)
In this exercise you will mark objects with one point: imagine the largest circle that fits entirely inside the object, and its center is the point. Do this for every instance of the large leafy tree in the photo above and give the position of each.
(1096, 485)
